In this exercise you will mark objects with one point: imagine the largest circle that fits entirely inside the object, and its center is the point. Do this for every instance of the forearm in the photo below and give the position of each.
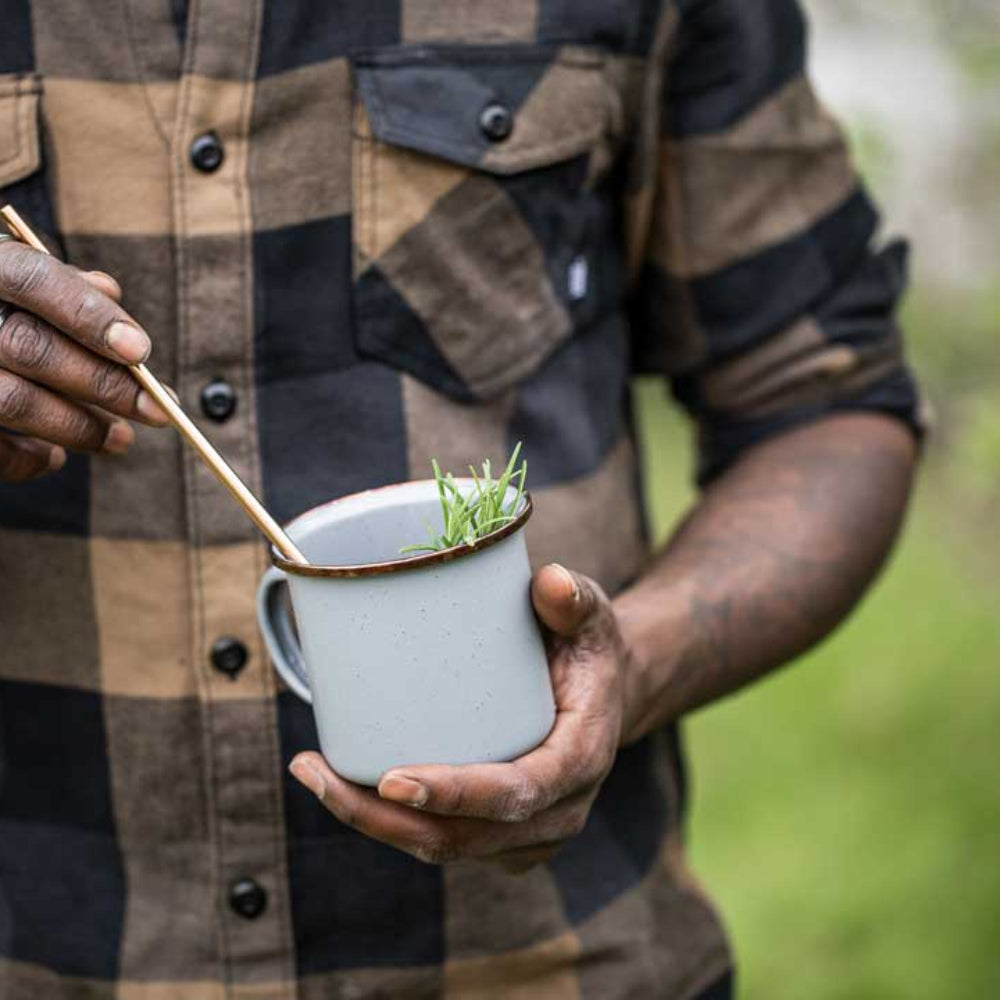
(774, 555)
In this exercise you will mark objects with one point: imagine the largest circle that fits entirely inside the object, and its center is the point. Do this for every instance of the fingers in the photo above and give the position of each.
(577, 754)
(41, 370)
(32, 348)
(433, 839)
(30, 409)
(104, 282)
(573, 760)
(564, 601)
(577, 615)
(405, 829)
(23, 459)
(503, 793)
(76, 304)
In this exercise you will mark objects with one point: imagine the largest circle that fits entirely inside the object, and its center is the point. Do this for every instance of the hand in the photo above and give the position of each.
(520, 813)
(62, 353)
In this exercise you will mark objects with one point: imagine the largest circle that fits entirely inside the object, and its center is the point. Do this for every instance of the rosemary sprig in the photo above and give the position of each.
(469, 516)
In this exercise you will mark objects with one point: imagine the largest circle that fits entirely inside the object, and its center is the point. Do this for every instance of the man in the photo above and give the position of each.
(355, 236)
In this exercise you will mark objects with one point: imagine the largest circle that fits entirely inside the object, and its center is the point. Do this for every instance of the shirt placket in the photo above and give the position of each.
(214, 242)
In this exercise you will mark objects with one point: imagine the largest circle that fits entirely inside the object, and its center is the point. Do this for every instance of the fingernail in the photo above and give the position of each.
(144, 404)
(57, 458)
(309, 777)
(399, 788)
(569, 578)
(129, 343)
(119, 439)
(105, 278)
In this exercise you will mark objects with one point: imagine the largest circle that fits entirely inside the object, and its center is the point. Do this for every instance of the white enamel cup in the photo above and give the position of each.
(429, 659)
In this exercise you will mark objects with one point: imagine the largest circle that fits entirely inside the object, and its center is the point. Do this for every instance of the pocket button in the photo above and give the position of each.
(496, 121)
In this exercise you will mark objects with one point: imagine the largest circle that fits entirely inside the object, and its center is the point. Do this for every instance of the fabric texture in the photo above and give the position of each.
(382, 277)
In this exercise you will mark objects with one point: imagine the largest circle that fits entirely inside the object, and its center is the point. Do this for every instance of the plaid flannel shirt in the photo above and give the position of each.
(362, 234)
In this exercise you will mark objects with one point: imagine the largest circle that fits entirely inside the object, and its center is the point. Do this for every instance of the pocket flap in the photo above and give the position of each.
(20, 150)
(433, 100)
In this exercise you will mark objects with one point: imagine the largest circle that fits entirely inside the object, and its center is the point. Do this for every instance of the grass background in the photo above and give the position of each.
(846, 812)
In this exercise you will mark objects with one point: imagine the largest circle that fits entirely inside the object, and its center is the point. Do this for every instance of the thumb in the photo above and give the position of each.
(564, 601)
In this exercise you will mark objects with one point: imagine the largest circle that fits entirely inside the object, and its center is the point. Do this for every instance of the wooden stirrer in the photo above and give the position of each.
(255, 510)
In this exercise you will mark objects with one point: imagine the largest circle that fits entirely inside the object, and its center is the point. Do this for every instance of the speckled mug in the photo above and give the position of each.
(431, 659)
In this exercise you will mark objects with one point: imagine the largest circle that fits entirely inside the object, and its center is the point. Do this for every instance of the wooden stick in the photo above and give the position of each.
(194, 437)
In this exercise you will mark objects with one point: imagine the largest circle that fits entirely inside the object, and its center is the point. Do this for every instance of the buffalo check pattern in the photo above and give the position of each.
(381, 280)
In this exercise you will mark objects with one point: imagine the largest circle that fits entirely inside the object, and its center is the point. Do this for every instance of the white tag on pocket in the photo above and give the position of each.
(578, 278)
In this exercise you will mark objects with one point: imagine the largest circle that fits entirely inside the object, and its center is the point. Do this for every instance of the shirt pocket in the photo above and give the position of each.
(20, 148)
(478, 220)
(23, 180)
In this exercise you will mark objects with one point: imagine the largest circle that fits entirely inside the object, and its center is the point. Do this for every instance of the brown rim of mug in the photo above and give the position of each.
(404, 563)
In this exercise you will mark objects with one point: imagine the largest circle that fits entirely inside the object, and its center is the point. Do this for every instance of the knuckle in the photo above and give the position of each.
(15, 398)
(593, 602)
(22, 272)
(576, 822)
(112, 385)
(520, 801)
(24, 343)
(456, 798)
(435, 849)
(85, 430)
(599, 762)
(449, 795)
(579, 759)
(10, 470)
(599, 635)
(344, 813)
(22, 471)
(87, 308)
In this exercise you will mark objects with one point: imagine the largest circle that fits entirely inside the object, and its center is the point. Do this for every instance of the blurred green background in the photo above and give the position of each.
(846, 812)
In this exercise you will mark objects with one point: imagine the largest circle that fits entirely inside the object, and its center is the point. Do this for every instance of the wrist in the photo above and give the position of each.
(655, 644)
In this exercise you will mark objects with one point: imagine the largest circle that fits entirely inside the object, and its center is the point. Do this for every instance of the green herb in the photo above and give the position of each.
(472, 515)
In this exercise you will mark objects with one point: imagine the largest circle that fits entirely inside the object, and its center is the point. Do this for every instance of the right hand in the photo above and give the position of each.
(63, 351)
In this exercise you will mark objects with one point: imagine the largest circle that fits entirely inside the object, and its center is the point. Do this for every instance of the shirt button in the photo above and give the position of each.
(207, 153)
(247, 898)
(229, 656)
(218, 400)
(496, 122)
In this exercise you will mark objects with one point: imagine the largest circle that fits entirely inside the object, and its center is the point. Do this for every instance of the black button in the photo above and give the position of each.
(207, 153)
(218, 400)
(229, 656)
(496, 121)
(247, 898)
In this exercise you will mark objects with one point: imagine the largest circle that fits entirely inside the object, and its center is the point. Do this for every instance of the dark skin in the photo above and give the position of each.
(773, 556)
(62, 380)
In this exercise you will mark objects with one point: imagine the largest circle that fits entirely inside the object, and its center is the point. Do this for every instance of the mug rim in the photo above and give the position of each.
(405, 562)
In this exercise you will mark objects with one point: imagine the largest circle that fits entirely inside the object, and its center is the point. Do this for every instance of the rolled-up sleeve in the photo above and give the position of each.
(763, 290)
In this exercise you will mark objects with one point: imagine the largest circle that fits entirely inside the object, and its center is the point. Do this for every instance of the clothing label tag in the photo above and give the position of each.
(578, 278)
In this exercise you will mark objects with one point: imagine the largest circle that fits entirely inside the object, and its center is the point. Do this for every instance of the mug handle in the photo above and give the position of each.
(279, 636)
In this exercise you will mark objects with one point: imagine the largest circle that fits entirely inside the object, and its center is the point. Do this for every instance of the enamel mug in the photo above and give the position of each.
(429, 659)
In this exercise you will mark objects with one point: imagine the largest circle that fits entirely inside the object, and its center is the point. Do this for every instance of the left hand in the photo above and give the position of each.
(520, 813)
